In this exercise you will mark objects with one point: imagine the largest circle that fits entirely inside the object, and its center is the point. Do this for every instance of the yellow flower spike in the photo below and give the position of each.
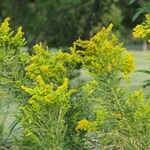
(18, 39)
(128, 65)
(143, 30)
(38, 48)
(138, 94)
(64, 86)
(44, 68)
(110, 27)
(84, 125)
(48, 98)
(34, 104)
(19, 33)
(26, 89)
(31, 68)
(5, 26)
(40, 80)
(104, 51)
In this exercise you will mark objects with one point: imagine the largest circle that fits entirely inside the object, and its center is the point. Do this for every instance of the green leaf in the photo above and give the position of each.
(143, 10)
(131, 1)
(144, 71)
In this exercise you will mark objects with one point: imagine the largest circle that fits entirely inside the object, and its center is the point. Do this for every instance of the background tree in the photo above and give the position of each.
(60, 22)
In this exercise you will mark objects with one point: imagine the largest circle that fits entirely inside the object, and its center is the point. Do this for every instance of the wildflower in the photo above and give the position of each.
(18, 39)
(48, 98)
(103, 51)
(33, 103)
(138, 94)
(31, 67)
(26, 89)
(84, 125)
(38, 48)
(64, 86)
(128, 65)
(5, 26)
(39, 80)
(142, 30)
(44, 68)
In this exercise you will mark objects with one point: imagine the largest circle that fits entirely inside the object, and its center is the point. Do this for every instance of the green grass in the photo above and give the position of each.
(141, 62)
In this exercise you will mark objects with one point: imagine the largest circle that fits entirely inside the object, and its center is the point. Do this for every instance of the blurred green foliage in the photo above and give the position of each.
(60, 22)
(144, 8)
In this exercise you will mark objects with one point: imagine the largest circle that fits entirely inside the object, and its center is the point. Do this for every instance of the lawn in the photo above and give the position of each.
(141, 62)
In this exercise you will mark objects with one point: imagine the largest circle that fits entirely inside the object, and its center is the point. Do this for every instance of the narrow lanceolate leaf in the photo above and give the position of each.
(144, 71)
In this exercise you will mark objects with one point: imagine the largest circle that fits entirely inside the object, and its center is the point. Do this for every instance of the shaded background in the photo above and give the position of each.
(60, 22)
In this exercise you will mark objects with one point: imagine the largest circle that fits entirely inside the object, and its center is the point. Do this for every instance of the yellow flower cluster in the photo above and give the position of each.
(38, 48)
(138, 94)
(143, 30)
(136, 99)
(64, 86)
(52, 67)
(7, 37)
(84, 125)
(43, 94)
(19, 35)
(103, 55)
(49, 92)
(44, 68)
(128, 65)
(39, 80)
(5, 28)
(45, 64)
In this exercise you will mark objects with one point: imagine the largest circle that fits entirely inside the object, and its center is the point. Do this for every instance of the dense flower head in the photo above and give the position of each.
(84, 125)
(103, 54)
(43, 94)
(45, 64)
(18, 39)
(52, 67)
(5, 27)
(128, 65)
(7, 36)
(143, 30)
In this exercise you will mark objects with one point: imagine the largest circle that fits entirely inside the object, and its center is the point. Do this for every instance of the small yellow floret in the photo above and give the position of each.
(84, 125)
(44, 68)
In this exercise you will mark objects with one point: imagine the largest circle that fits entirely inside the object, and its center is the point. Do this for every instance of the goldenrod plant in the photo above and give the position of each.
(122, 120)
(12, 58)
(54, 114)
(143, 31)
(12, 74)
(50, 115)
(103, 56)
